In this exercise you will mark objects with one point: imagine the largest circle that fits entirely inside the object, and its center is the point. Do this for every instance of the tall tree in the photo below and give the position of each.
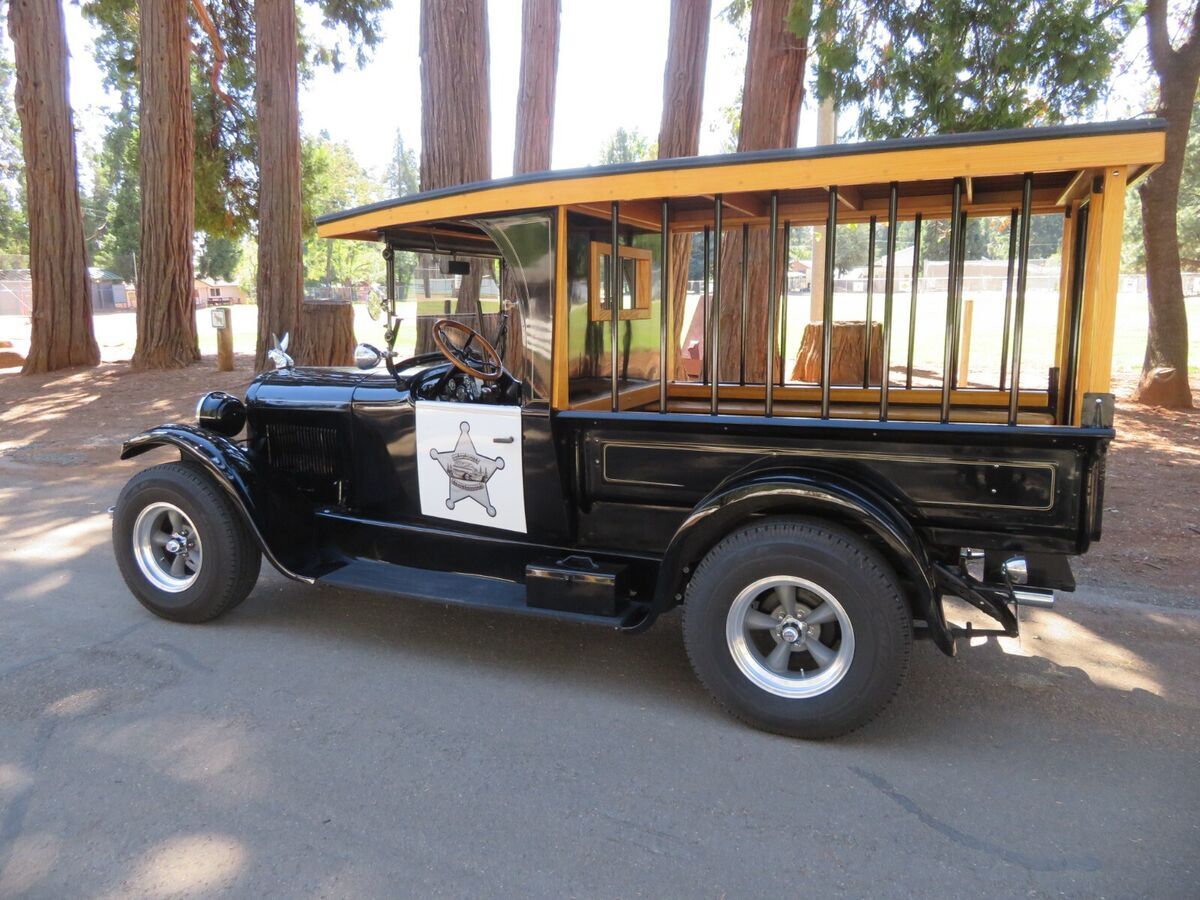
(772, 92)
(535, 97)
(166, 318)
(625, 146)
(456, 122)
(62, 309)
(679, 128)
(534, 139)
(280, 225)
(1164, 380)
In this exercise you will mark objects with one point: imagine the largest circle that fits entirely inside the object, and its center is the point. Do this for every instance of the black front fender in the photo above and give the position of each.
(811, 492)
(277, 514)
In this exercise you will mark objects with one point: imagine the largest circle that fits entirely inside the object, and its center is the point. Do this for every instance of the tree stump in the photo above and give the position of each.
(847, 354)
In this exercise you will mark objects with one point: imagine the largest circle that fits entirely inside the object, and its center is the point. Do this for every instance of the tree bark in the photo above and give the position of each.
(62, 333)
(679, 130)
(535, 127)
(535, 98)
(772, 92)
(280, 225)
(456, 123)
(1164, 380)
(166, 310)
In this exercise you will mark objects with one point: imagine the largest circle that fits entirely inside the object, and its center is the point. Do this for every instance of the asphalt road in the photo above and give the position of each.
(320, 743)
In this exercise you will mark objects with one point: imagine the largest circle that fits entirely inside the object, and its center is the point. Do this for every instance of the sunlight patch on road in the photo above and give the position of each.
(1057, 639)
(65, 541)
(186, 865)
(31, 858)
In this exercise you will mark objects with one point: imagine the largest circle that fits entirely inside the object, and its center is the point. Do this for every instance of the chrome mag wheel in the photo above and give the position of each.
(790, 636)
(167, 547)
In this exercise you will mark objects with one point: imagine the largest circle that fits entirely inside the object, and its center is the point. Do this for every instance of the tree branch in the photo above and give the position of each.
(214, 77)
(1158, 37)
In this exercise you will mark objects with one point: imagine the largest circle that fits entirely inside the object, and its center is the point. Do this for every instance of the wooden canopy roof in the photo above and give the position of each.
(1064, 161)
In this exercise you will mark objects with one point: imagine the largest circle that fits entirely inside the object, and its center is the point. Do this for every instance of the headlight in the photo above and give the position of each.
(221, 412)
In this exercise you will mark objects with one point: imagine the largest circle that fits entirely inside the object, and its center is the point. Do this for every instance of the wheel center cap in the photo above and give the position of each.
(792, 631)
(174, 545)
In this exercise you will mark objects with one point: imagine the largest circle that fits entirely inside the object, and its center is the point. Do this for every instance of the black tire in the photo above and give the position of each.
(843, 565)
(230, 563)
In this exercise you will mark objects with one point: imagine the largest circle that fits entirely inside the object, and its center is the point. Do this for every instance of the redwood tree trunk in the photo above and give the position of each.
(280, 226)
(535, 127)
(166, 310)
(62, 307)
(679, 129)
(1164, 380)
(456, 124)
(771, 96)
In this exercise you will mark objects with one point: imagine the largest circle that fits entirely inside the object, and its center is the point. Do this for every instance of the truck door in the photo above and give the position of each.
(470, 466)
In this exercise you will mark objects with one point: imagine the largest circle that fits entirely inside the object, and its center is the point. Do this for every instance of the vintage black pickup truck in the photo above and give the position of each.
(553, 453)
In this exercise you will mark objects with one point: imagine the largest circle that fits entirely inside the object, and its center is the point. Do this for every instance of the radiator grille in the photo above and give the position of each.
(304, 450)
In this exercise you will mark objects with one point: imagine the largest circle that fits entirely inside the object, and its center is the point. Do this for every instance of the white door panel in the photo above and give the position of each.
(469, 465)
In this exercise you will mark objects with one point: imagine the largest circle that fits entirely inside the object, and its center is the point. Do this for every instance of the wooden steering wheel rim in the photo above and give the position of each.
(489, 352)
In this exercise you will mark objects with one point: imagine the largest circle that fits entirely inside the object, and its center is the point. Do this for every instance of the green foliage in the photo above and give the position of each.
(914, 67)
(14, 225)
(336, 181)
(627, 146)
(219, 258)
(112, 212)
(403, 174)
(1187, 220)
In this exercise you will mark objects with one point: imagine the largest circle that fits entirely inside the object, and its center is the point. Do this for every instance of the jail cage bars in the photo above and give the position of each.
(776, 312)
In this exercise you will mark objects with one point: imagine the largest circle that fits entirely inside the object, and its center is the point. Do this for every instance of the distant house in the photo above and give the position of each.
(799, 276)
(208, 292)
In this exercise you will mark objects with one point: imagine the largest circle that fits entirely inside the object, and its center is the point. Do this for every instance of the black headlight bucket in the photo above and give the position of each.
(221, 412)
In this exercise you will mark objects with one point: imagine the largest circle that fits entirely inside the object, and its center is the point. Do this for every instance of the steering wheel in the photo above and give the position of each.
(483, 364)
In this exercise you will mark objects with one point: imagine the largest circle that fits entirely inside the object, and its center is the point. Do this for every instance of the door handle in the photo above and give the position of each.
(502, 440)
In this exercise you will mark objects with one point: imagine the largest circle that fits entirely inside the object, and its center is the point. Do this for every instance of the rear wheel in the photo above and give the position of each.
(181, 546)
(798, 627)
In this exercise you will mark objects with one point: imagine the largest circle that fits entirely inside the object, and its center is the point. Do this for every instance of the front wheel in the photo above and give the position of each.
(181, 546)
(798, 627)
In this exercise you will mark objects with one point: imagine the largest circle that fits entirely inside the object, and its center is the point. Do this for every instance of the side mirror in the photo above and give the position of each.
(374, 305)
(366, 356)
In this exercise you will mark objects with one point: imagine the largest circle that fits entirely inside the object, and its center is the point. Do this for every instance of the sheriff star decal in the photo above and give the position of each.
(468, 471)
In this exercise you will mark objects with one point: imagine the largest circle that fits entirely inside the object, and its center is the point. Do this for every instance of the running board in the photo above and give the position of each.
(474, 591)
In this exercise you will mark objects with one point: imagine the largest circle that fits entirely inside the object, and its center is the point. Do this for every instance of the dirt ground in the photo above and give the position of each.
(1150, 551)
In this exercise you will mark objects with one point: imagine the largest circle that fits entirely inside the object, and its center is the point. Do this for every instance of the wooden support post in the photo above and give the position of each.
(964, 343)
(1102, 260)
(225, 340)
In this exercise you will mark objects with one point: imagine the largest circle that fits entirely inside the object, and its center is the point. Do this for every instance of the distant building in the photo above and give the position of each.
(109, 292)
(208, 292)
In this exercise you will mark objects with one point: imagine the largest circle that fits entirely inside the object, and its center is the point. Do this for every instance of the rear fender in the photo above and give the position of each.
(277, 514)
(812, 492)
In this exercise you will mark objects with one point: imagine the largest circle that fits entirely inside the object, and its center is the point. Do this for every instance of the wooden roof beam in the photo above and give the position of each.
(1076, 188)
(850, 197)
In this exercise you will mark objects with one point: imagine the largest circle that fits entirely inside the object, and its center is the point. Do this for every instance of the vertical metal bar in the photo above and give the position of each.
(870, 301)
(889, 285)
(1019, 313)
(1078, 260)
(715, 371)
(769, 374)
(745, 299)
(664, 311)
(389, 259)
(912, 307)
(827, 310)
(783, 315)
(704, 328)
(1008, 294)
(959, 275)
(614, 298)
(951, 337)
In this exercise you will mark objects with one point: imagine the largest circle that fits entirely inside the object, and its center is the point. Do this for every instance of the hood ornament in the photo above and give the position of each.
(278, 353)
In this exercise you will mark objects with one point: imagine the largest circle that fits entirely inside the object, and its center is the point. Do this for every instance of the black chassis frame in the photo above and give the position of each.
(652, 492)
